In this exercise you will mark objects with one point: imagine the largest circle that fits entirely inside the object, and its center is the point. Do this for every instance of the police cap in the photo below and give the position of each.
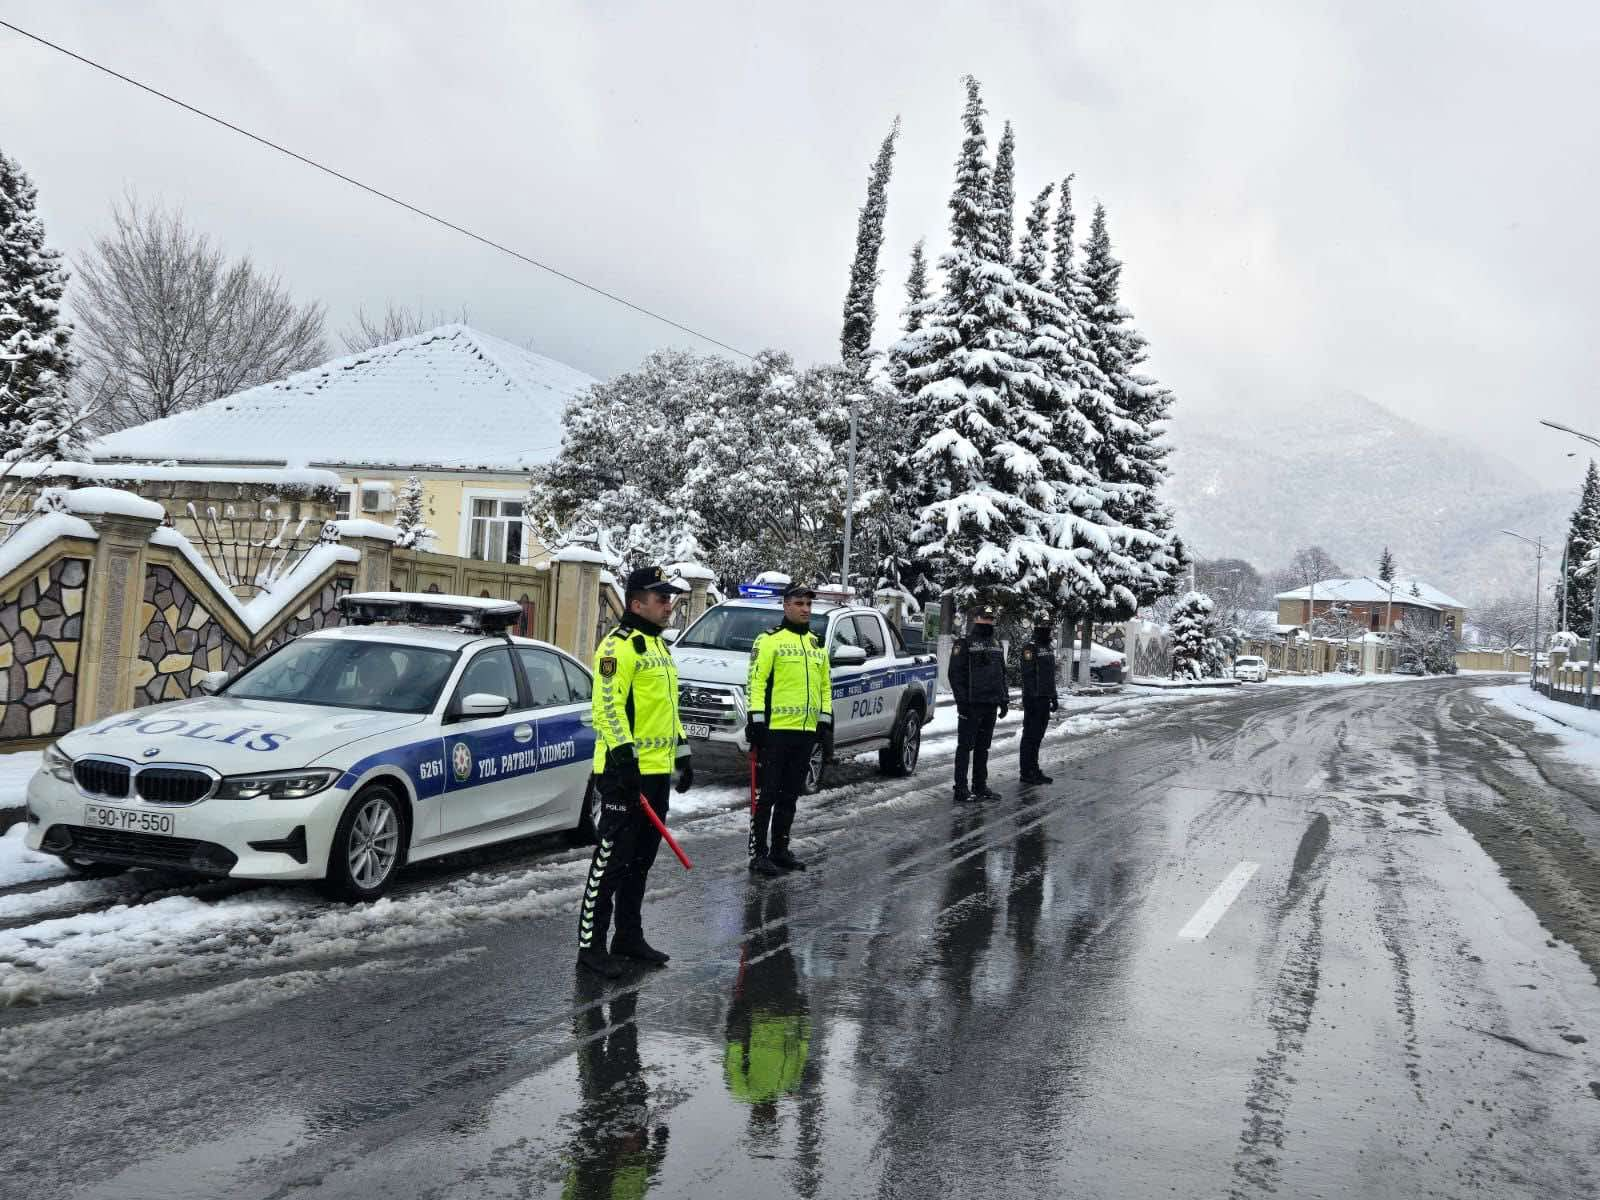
(652, 579)
(798, 590)
(984, 612)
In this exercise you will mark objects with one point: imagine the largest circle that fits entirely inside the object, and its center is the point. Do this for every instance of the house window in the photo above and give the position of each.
(496, 530)
(343, 503)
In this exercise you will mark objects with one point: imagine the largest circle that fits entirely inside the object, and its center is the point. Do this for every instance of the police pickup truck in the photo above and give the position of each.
(883, 694)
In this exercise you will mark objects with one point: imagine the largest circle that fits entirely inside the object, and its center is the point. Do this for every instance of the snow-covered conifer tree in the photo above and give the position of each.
(916, 288)
(1584, 533)
(860, 301)
(1191, 618)
(411, 518)
(1005, 194)
(979, 529)
(1132, 460)
(37, 420)
(1386, 566)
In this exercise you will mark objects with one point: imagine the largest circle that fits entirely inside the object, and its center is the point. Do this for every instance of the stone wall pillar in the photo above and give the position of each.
(374, 570)
(575, 603)
(112, 608)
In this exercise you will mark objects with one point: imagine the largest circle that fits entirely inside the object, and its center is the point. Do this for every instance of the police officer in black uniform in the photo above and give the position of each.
(1039, 698)
(977, 679)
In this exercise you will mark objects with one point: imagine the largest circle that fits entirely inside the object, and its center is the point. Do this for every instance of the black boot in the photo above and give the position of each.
(594, 959)
(637, 948)
(984, 792)
(961, 794)
(1041, 777)
(762, 864)
(787, 861)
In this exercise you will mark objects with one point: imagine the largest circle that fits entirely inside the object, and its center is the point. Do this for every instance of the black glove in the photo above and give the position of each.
(685, 774)
(755, 733)
(623, 766)
(963, 711)
(1005, 707)
(1055, 703)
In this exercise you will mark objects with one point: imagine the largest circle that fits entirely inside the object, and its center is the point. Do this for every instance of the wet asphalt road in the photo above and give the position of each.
(991, 1000)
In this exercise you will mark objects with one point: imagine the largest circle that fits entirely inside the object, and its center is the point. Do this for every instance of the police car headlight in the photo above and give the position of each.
(56, 764)
(281, 785)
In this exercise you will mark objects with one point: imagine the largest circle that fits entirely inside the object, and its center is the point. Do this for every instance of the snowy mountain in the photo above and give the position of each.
(1354, 477)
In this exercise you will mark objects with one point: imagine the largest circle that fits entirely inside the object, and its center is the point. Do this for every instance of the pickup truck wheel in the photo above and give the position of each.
(816, 768)
(899, 758)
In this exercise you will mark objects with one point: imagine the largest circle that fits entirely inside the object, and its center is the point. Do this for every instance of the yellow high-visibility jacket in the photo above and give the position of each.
(636, 700)
(789, 684)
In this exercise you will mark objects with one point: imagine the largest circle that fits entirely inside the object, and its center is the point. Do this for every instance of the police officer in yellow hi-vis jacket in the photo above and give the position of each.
(639, 741)
(791, 709)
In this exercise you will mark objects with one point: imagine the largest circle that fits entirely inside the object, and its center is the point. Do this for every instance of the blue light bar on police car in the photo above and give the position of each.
(761, 591)
(475, 614)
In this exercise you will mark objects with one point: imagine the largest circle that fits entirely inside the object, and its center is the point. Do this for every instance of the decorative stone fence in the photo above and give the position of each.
(104, 608)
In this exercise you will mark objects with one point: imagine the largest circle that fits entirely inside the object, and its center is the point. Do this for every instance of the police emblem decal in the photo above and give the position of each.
(608, 666)
(461, 761)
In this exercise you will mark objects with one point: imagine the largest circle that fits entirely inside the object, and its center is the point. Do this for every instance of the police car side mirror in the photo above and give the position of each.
(848, 656)
(213, 682)
(670, 635)
(483, 704)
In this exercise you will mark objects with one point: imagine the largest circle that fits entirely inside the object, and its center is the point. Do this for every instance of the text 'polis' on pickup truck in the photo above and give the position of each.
(883, 694)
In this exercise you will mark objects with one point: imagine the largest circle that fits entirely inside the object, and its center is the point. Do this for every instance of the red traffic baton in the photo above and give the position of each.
(672, 842)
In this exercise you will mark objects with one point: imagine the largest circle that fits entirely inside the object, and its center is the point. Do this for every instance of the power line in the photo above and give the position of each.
(378, 192)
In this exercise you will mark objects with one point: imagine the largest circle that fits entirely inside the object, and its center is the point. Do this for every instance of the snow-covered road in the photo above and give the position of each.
(147, 930)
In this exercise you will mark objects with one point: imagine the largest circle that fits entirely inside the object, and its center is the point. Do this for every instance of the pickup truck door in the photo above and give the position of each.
(881, 700)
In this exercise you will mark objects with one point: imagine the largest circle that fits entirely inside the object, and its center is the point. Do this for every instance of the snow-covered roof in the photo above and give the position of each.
(453, 398)
(1366, 591)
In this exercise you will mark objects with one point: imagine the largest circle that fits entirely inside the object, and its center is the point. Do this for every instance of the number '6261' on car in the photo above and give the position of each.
(339, 756)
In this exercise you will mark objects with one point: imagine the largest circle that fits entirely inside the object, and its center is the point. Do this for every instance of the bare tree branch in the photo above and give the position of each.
(166, 322)
(397, 322)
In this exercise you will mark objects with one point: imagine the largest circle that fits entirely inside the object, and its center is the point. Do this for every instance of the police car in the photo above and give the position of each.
(418, 728)
(883, 692)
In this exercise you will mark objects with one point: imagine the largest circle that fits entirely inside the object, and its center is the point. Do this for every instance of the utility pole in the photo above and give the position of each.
(1594, 638)
(850, 491)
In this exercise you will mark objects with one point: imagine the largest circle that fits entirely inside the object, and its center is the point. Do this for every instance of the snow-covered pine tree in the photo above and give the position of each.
(1132, 459)
(411, 517)
(1004, 194)
(1386, 566)
(1584, 533)
(978, 528)
(916, 287)
(860, 301)
(1060, 434)
(1191, 618)
(37, 420)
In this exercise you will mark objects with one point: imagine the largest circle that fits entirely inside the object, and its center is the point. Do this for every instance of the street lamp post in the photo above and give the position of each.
(1538, 587)
(850, 492)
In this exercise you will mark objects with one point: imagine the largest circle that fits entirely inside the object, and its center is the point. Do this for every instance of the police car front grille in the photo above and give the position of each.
(148, 850)
(172, 785)
(101, 778)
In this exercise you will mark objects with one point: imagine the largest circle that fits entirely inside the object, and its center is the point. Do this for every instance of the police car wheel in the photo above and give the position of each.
(899, 757)
(816, 768)
(366, 846)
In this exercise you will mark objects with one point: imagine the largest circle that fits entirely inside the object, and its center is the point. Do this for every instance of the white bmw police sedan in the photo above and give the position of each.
(339, 756)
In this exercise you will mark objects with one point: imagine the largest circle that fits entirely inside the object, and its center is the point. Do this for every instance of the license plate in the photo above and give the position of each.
(698, 731)
(127, 820)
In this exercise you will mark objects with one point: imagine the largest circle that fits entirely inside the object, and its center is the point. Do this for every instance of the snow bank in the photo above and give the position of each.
(98, 500)
(1577, 729)
(361, 527)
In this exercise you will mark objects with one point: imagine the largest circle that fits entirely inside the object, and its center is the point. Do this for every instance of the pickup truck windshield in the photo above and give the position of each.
(733, 628)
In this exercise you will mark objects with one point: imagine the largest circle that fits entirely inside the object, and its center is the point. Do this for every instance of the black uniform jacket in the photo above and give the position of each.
(1038, 672)
(978, 672)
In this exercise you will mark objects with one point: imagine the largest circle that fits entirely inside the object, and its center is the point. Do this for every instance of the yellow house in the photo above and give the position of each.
(468, 414)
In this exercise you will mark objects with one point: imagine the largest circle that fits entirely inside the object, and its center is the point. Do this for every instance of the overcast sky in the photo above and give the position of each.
(1394, 198)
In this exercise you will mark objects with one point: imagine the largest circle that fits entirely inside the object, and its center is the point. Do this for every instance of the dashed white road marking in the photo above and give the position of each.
(1217, 903)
